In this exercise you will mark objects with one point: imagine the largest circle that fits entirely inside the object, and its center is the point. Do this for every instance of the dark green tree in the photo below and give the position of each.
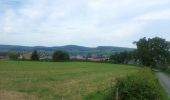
(60, 56)
(34, 56)
(121, 57)
(153, 52)
(143, 51)
(169, 58)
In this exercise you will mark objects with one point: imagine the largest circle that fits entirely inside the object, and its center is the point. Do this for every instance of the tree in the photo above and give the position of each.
(34, 56)
(153, 52)
(13, 55)
(143, 51)
(121, 57)
(60, 56)
(169, 58)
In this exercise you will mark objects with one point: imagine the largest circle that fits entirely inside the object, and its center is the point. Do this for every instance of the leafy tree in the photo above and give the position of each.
(122, 57)
(13, 55)
(34, 56)
(169, 58)
(60, 56)
(143, 52)
(153, 51)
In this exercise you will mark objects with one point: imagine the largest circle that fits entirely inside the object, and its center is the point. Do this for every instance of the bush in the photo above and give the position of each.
(168, 70)
(142, 85)
(60, 56)
(13, 55)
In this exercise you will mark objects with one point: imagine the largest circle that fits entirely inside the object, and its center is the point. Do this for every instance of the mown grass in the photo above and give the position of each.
(26, 80)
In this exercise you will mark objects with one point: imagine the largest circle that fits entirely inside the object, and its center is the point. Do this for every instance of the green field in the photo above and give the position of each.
(26, 80)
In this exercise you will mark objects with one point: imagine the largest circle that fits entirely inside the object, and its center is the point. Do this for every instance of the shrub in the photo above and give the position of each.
(168, 70)
(13, 55)
(142, 85)
(60, 56)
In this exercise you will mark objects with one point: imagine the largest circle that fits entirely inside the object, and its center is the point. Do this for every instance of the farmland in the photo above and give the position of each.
(27, 80)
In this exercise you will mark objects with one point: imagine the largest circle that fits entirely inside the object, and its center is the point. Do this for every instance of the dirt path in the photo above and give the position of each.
(165, 81)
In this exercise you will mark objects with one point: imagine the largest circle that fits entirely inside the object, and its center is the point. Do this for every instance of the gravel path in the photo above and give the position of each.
(165, 81)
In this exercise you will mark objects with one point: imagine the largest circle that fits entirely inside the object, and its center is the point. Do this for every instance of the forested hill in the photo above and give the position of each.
(72, 49)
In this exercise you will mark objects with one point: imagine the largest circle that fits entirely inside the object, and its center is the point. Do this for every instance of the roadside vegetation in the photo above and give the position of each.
(152, 53)
(142, 85)
(168, 71)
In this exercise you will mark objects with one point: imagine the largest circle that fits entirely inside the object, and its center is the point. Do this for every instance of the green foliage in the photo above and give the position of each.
(153, 51)
(60, 56)
(169, 58)
(119, 57)
(168, 70)
(35, 56)
(142, 85)
(13, 55)
(123, 57)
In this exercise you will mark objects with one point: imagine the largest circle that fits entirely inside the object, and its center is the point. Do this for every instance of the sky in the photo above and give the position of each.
(82, 22)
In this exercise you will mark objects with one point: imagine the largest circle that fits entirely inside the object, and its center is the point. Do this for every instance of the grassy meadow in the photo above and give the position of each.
(27, 80)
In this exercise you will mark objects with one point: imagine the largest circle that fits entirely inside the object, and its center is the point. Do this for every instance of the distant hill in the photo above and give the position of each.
(72, 49)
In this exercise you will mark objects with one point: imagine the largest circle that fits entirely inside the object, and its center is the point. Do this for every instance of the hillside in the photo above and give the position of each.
(72, 49)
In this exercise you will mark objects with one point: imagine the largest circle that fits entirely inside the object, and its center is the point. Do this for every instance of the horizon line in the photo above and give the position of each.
(67, 45)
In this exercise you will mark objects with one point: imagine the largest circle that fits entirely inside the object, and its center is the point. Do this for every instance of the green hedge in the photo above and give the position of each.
(142, 85)
(168, 70)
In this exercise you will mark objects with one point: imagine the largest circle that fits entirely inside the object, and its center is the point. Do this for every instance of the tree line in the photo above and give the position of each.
(152, 52)
(57, 56)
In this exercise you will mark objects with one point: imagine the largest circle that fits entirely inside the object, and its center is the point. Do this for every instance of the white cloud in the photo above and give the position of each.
(57, 22)
(156, 15)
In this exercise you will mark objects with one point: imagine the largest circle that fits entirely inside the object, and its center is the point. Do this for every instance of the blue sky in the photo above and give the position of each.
(82, 22)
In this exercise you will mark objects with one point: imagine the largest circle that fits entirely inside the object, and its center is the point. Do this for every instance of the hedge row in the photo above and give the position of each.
(142, 85)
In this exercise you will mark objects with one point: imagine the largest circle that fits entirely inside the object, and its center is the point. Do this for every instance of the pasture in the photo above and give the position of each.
(27, 80)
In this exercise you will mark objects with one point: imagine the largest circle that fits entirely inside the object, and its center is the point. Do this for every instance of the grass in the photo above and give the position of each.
(168, 73)
(28, 80)
(164, 94)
